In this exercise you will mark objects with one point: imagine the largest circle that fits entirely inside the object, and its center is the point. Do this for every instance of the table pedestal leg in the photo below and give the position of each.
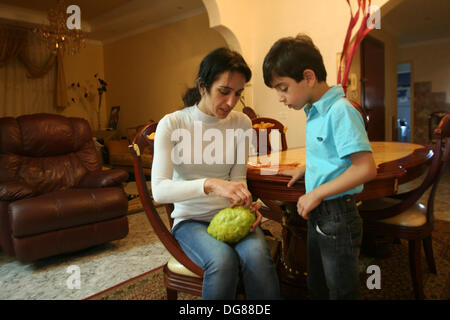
(292, 270)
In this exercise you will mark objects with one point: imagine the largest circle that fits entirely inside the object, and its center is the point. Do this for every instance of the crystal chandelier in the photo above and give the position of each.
(57, 35)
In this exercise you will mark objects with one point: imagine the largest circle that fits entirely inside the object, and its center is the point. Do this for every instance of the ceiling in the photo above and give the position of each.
(90, 9)
(105, 19)
(411, 21)
(415, 21)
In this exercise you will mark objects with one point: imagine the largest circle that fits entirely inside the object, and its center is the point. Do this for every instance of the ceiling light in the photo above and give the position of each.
(57, 35)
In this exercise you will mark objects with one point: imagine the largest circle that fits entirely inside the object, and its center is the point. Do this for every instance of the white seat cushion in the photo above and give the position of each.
(413, 217)
(178, 268)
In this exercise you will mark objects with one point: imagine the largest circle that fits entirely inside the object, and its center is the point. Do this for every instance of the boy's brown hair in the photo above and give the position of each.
(289, 57)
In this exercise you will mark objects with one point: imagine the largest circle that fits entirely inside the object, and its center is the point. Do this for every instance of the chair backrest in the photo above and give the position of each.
(360, 109)
(442, 136)
(249, 112)
(443, 129)
(270, 124)
(47, 151)
(441, 154)
(434, 119)
(131, 132)
(141, 141)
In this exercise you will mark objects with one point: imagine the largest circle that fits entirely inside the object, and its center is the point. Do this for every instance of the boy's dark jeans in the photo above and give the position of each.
(334, 241)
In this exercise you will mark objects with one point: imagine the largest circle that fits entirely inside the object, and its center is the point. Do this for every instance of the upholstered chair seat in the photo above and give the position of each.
(176, 267)
(414, 216)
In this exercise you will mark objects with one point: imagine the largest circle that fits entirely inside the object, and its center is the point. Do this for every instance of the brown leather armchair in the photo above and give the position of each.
(54, 197)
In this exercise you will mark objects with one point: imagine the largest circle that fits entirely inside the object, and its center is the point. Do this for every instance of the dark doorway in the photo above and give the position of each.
(404, 102)
(372, 78)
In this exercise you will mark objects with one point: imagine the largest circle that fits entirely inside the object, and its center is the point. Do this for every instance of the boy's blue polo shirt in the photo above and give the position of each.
(334, 130)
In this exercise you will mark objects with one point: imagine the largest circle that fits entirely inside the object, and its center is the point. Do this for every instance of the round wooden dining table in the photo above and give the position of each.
(397, 163)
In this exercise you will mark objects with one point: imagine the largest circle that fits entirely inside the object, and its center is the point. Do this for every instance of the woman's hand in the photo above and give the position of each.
(255, 208)
(237, 192)
(295, 173)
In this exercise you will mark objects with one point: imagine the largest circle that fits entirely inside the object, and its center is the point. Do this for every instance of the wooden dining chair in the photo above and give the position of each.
(249, 112)
(364, 115)
(268, 124)
(404, 217)
(180, 272)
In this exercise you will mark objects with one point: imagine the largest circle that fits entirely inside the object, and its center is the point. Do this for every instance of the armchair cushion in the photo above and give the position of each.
(14, 190)
(117, 146)
(125, 159)
(102, 179)
(48, 152)
(64, 209)
(120, 156)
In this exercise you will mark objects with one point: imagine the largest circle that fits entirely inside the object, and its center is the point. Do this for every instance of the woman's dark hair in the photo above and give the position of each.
(213, 65)
(289, 57)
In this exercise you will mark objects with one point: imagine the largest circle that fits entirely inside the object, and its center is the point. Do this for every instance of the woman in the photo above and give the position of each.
(202, 176)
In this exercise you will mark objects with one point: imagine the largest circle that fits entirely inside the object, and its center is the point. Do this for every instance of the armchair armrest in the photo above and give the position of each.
(14, 190)
(102, 179)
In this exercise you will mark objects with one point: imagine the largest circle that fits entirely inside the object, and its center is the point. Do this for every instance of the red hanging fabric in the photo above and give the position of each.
(351, 25)
(349, 52)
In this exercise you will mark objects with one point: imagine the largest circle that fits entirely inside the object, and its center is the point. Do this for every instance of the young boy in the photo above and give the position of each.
(338, 162)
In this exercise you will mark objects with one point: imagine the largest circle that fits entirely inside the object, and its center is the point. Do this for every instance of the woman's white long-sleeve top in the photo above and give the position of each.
(191, 146)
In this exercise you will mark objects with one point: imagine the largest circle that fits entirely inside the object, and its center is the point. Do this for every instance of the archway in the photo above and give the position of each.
(215, 23)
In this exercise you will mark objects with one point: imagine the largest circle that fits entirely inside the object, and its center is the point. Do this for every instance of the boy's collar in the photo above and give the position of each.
(323, 104)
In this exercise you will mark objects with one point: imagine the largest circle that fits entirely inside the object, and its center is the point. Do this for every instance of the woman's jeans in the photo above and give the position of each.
(222, 262)
(334, 242)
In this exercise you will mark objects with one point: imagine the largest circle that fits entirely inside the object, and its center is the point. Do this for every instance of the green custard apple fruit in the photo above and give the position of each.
(231, 224)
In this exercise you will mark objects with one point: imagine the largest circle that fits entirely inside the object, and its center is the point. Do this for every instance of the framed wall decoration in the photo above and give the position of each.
(114, 117)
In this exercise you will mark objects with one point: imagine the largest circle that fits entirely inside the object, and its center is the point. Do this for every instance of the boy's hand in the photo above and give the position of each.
(306, 203)
(295, 173)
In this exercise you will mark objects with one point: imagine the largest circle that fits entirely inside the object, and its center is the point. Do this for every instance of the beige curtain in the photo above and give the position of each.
(61, 91)
(29, 74)
(12, 42)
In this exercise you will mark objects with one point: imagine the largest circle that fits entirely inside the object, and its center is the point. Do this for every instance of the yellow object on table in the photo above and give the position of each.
(263, 125)
(266, 125)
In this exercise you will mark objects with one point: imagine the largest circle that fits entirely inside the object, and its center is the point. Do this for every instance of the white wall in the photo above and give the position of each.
(431, 62)
(257, 24)
(149, 72)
